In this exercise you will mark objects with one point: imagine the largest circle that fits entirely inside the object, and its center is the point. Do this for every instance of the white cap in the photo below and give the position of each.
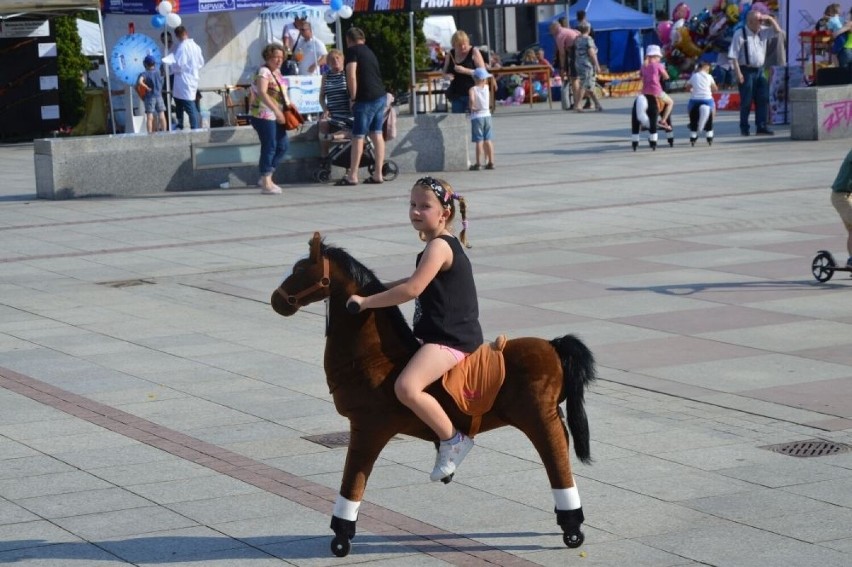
(653, 51)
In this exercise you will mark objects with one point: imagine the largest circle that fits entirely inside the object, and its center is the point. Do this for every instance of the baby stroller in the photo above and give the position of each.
(340, 152)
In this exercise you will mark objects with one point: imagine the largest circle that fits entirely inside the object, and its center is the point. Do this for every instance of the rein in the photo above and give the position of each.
(323, 282)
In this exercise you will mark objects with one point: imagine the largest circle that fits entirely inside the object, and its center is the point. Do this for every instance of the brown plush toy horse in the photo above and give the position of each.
(365, 353)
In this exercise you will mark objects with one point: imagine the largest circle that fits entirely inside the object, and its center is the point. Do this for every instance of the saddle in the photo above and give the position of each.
(475, 382)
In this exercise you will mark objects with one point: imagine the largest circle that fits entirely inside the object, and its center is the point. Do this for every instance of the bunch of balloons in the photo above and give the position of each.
(686, 38)
(337, 9)
(165, 16)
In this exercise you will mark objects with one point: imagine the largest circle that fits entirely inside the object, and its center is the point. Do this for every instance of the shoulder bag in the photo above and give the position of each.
(293, 119)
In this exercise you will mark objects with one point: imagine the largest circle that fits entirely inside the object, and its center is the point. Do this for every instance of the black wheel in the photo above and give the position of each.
(574, 539)
(671, 142)
(323, 175)
(340, 546)
(390, 170)
(823, 266)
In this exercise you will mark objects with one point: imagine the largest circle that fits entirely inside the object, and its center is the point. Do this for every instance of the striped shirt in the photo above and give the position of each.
(336, 95)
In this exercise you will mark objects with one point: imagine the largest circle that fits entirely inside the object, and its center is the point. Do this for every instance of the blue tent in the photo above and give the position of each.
(616, 30)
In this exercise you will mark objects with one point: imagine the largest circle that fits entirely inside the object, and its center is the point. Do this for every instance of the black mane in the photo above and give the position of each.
(368, 284)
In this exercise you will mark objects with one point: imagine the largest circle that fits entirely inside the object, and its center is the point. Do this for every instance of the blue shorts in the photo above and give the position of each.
(154, 104)
(693, 102)
(368, 117)
(480, 129)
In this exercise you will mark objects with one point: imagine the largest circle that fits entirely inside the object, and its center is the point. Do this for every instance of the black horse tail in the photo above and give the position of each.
(578, 370)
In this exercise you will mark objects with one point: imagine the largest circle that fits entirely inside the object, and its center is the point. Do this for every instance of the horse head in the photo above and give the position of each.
(309, 282)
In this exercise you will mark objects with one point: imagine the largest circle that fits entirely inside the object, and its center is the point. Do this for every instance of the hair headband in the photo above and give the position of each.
(444, 196)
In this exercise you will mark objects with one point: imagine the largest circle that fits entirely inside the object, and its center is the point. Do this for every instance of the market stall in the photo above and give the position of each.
(28, 40)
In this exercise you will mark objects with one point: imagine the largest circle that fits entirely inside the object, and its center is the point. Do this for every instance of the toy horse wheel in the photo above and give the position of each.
(340, 546)
(574, 539)
(823, 266)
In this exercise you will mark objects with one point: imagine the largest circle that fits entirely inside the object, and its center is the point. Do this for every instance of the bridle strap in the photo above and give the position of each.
(324, 282)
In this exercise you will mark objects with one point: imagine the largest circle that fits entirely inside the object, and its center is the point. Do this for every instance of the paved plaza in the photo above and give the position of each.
(154, 410)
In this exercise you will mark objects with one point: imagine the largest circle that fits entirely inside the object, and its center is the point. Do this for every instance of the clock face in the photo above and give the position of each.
(127, 56)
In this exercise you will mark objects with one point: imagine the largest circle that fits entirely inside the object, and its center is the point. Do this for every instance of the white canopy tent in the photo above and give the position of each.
(274, 18)
(16, 8)
(90, 36)
(439, 29)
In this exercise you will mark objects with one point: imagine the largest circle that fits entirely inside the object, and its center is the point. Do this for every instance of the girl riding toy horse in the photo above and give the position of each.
(365, 353)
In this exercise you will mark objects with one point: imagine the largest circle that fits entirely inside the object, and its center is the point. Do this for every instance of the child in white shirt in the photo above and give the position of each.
(701, 106)
(480, 118)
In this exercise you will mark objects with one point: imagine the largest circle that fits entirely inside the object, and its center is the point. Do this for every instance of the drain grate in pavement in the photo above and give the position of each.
(809, 448)
(126, 283)
(330, 440)
(334, 440)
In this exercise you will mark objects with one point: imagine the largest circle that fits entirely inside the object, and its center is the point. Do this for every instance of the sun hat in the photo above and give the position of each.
(653, 51)
(480, 74)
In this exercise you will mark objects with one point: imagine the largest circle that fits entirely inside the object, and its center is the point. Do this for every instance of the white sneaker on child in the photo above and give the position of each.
(450, 456)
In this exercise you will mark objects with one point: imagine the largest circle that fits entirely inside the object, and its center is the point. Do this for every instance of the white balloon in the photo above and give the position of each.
(173, 20)
(330, 16)
(345, 12)
(164, 8)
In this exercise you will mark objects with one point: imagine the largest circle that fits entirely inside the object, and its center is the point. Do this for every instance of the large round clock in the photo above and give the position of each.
(127, 56)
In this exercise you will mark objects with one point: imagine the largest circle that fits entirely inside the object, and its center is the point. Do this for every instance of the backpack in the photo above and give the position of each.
(142, 87)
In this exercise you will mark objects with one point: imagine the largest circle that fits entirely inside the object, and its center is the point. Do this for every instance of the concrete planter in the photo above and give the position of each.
(136, 164)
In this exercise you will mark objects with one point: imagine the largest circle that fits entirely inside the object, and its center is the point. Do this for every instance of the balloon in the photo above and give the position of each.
(681, 12)
(345, 12)
(733, 13)
(336, 5)
(685, 44)
(664, 32)
(158, 21)
(173, 20)
(164, 8)
(330, 16)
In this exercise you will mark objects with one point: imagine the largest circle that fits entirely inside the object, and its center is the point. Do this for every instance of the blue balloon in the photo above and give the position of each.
(336, 5)
(158, 21)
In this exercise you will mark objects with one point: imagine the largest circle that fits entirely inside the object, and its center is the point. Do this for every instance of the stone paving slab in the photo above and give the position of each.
(153, 407)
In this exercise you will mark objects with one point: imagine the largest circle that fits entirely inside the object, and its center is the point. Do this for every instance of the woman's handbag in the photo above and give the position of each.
(293, 120)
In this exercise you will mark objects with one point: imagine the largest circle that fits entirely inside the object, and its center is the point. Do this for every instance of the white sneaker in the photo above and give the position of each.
(450, 457)
(271, 190)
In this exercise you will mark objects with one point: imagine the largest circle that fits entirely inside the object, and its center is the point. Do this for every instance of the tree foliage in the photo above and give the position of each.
(389, 38)
(72, 64)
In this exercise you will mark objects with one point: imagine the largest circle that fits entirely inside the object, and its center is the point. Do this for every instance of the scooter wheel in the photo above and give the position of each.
(823, 266)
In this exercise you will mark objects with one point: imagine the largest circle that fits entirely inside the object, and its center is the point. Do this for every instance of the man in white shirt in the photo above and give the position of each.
(188, 62)
(291, 32)
(312, 51)
(747, 54)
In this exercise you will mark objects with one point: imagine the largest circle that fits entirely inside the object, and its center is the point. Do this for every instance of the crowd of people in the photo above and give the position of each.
(352, 89)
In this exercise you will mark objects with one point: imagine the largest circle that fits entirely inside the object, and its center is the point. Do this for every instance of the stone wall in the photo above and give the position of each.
(821, 113)
(136, 164)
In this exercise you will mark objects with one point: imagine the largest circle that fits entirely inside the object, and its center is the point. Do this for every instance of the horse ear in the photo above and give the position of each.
(315, 247)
